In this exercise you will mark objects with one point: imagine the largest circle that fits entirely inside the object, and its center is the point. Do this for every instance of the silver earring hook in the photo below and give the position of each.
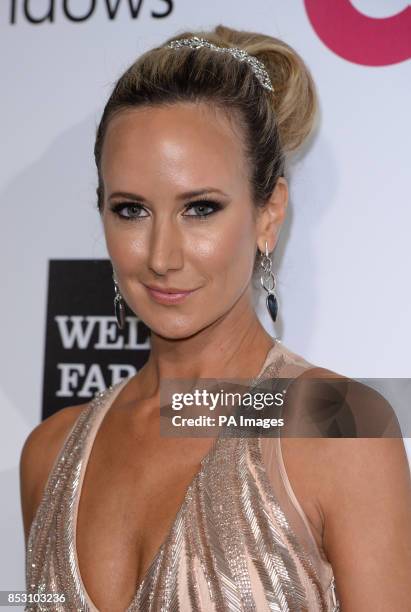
(268, 279)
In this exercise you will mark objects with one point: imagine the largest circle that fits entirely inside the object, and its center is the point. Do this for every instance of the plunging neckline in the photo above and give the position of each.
(77, 493)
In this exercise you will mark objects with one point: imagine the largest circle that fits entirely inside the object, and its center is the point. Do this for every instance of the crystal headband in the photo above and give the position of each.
(256, 65)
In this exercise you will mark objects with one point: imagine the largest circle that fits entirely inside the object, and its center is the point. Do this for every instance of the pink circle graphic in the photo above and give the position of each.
(358, 38)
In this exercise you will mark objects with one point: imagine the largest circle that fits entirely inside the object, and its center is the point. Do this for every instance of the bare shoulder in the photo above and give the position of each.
(336, 417)
(355, 435)
(38, 455)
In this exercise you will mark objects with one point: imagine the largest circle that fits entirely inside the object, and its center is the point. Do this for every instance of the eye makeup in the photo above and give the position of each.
(119, 208)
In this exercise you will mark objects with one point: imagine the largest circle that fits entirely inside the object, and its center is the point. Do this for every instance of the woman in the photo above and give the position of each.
(191, 153)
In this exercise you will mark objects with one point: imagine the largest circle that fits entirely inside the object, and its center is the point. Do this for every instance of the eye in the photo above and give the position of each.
(132, 210)
(202, 205)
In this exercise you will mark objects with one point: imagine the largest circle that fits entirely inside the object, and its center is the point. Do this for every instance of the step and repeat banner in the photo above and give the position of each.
(343, 257)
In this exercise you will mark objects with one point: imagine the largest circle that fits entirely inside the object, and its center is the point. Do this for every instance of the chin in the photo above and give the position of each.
(168, 334)
(176, 330)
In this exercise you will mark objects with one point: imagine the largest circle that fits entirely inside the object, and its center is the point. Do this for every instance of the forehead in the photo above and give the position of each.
(185, 142)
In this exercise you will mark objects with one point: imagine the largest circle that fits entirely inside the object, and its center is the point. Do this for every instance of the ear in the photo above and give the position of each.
(272, 215)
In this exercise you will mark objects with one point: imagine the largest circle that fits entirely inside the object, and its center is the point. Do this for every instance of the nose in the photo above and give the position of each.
(165, 249)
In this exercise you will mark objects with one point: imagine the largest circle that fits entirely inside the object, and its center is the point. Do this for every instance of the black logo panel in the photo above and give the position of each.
(85, 351)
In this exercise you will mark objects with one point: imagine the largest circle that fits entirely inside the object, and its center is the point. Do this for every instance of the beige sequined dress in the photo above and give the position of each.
(239, 542)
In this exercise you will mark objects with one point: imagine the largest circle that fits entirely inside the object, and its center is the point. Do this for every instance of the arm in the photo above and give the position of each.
(365, 498)
(37, 458)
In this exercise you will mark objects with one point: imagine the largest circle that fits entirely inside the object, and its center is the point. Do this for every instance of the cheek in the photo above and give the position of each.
(125, 246)
(225, 253)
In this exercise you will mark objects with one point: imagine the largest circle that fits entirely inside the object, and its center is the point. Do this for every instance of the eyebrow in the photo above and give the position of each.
(181, 196)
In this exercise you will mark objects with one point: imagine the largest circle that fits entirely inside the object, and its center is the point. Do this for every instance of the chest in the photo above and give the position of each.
(131, 493)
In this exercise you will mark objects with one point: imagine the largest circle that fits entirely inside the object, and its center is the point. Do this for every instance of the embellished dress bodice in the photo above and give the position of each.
(239, 542)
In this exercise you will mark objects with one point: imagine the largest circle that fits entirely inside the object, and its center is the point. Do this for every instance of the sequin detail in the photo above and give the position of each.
(231, 547)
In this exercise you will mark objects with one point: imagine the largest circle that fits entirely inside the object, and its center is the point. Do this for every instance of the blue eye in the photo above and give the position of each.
(127, 206)
(202, 204)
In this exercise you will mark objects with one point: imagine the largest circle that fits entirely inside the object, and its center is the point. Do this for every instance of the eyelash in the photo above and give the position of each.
(216, 206)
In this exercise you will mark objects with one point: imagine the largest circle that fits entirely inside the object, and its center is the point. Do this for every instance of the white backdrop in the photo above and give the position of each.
(343, 280)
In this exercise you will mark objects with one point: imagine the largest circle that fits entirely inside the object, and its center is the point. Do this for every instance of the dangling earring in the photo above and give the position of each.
(268, 283)
(119, 308)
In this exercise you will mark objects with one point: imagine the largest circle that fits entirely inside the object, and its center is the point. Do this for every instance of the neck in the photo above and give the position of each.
(233, 346)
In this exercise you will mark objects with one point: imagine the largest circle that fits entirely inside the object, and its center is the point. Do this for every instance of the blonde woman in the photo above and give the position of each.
(191, 156)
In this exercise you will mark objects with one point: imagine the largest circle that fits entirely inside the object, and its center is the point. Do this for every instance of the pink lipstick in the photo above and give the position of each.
(171, 296)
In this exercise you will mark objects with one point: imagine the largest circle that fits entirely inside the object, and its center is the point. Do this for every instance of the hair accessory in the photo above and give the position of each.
(256, 65)
(268, 283)
(119, 308)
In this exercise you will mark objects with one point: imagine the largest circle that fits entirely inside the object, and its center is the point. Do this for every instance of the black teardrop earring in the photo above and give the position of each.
(268, 283)
(119, 308)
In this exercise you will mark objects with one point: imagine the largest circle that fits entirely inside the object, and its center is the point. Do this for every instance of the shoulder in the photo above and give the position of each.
(362, 444)
(361, 429)
(326, 404)
(38, 455)
(342, 422)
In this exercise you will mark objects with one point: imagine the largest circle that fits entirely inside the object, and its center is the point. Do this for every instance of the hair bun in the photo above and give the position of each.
(294, 99)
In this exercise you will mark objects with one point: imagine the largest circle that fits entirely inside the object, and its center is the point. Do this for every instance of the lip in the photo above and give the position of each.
(174, 296)
(168, 289)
